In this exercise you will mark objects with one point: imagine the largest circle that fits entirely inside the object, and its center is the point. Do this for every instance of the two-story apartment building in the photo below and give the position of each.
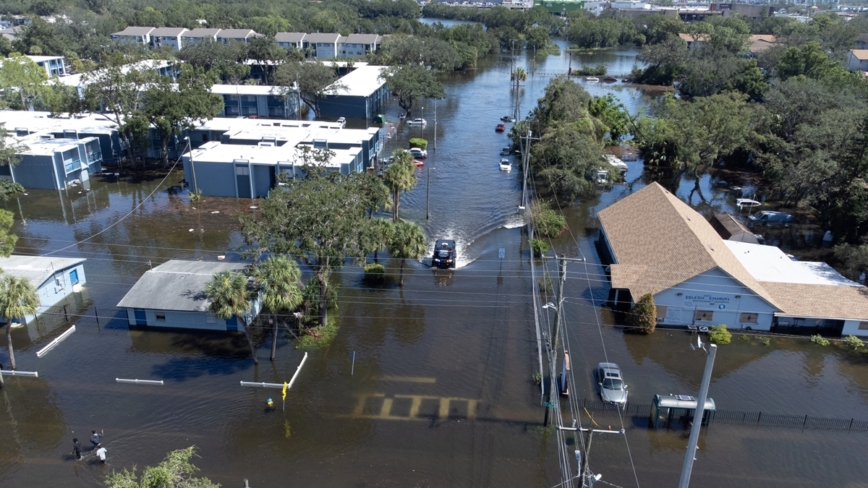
(257, 101)
(356, 45)
(858, 60)
(241, 35)
(168, 37)
(290, 40)
(191, 37)
(54, 65)
(50, 163)
(134, 35)
(323, 46)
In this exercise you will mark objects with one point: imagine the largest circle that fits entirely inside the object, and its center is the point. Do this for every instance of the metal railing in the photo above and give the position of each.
(71, 165)
(94, 156)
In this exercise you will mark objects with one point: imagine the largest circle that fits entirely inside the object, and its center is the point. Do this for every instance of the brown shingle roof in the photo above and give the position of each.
(860, 54)
(821, 301)
(689, 37)
(726, 226)
(660, 242)
(760, 42)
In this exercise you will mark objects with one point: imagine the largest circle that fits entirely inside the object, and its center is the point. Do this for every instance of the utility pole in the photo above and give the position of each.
(690, 455)
(553, 389)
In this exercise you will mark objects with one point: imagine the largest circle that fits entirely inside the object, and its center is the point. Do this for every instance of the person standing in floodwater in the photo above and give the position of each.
(76, 448)
(96, 439)
(101, 454)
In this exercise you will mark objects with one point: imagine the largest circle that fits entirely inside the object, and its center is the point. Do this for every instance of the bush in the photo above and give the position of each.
(375, 272)
(539, 247)
(853, 343)
(818, 339)
(419, 142)
(719, 335)
(318, 337)
(643, 315)
(599, 70)
(766, 341)
(546, 221)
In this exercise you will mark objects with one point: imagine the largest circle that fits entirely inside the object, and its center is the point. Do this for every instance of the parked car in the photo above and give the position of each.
(771, 217)
(444, 254)
(504, 151)
(499, 128)
(417, 122)
(342, 121)
(612, 387)
(418, 153)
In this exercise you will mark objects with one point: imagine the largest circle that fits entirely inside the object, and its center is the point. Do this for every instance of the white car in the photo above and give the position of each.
(418, 153)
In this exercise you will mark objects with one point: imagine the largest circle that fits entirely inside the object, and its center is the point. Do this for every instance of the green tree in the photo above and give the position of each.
(407, 242)
(21, 79)
(319, 220)
(175, 471)
(18, 299)
(279, 281)
(173, 108)
(310, 78)
(400, 176)
(425, 51)
(374, 192)
(808, 60)
(643, 315)
(719, 335)
(232, 296)
(411, 83)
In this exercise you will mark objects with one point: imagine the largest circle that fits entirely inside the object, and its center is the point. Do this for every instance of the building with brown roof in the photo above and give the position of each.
(760, 42)
(659, 245)
(731, 229)
(858, 60)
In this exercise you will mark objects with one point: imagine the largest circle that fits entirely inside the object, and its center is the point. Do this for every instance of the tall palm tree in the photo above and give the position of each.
(18, 299)
(518, 75)
(407, 241)
(230, 296)
(400, 176)
(279, 279)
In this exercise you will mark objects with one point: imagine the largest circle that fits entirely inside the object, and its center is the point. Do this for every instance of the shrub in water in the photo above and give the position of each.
(419, 142)
(643, 315)
(539, 247)
(853, 343)
(374, 272)
(547, 222)
(818, 339)
(719, 335)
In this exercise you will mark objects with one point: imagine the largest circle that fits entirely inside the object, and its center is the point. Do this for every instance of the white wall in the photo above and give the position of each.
(851, 327)
(854, 64)
(56, 289)
(716, 292)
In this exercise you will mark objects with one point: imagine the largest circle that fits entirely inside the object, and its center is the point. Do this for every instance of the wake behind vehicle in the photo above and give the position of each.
(612, 387)
(444, 254)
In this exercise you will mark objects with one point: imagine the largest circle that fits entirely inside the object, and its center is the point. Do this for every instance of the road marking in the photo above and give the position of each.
(408, 379)
(384, 412)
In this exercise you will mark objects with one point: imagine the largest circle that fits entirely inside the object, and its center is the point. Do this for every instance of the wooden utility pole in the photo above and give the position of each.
(553, 388)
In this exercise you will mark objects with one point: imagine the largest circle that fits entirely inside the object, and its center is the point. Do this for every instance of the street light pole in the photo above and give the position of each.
(553, 387)
(192, 163)
(690, 455)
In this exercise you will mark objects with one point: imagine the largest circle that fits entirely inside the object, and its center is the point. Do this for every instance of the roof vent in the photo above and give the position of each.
(711, 247)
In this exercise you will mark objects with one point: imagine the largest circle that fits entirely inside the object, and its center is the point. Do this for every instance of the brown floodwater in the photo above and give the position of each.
(440, 392)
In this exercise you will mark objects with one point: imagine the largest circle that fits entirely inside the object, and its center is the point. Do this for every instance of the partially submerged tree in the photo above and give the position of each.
(21, 80)
(407, 242)
(18, 299)
(400, 176)
(279, 280)
(310, 79)
(176, 471)
(412, 83)
(232, 296)
(643, 315)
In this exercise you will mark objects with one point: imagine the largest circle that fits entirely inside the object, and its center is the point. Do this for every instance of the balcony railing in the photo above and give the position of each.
(71, 165)
(93, 157)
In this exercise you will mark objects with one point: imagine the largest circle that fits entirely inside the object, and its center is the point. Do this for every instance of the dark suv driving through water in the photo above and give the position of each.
(444, 254)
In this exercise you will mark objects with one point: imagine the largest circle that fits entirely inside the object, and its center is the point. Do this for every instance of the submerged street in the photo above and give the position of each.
(426, 385)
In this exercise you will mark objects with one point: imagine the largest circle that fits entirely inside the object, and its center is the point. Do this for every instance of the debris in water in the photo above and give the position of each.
(254, 207)
(191, 230)
(216, 211)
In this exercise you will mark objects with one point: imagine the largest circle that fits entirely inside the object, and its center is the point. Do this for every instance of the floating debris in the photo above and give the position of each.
(254, 207)
(216, 211)
(191, 230)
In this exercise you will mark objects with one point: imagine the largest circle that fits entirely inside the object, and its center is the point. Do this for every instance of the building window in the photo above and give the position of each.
(705, 315)
(242, 171)
(863, 325)
(748, 318)
(161, 316)
(661, 313)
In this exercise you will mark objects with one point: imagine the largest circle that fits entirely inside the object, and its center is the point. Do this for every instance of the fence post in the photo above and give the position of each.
(804, 423)
(758, 418)
(65, 314)
(851, 426)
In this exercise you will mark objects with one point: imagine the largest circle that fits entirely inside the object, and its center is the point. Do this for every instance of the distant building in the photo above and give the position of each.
(857, 60)
(134, 35)
(658, 245)
(240, 35)
(759, 43)
(356, 45)
(694, 42)
(287, 40)
(862, 41)
(198, 35)
(172, 295)
(54, 164)
(54, 279)
(257, 101)
(359, 94)
(168, 37)
(323, 46)
(731, 229)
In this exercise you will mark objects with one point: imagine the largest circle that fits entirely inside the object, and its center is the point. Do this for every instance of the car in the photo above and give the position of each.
(771, 217)
(505, 151)
(444, 254)
(417, 121)
(418, 153)
(612, 387)
(342, 121)
(500, 128)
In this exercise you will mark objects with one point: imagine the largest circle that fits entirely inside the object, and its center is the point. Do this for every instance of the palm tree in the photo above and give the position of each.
(279, 279)
(518, 75)
(230, 296)
(18, 299)
(400, 176)
(407, 241)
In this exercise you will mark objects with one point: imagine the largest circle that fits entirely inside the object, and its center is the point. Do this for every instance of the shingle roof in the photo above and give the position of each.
(168, 31)
(726, 226)
(760, 42)
(322, 38)
(36, 269)
(689, 37)
(176, 285)
(201, 33)
(289, 36)
(236, 33)
(821, 301)
(660, 242)
(362, 39)
(860, 54)
(134, 31)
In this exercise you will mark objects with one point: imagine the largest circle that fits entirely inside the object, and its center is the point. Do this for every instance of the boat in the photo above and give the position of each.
(417, 121)
(507, 118)
(746, 203)
(504, 151)
(616, 162)
(505, 165)
(610, 79)
(499, 128)
(592, 79)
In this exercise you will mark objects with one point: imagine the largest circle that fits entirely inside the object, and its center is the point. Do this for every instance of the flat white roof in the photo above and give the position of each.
(76, 80)
(770, 264)
(246, 90)
(360, 82)
(40, 59)
(36, 146)
(215, 152)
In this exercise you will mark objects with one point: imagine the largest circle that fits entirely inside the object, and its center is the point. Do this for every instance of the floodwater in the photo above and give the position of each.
(425, 385)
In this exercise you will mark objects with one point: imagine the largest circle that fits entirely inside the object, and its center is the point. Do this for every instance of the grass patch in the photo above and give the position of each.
(318, 337)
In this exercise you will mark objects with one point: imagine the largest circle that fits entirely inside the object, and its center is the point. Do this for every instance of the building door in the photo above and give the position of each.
(242, 179)
(141, 318)
(232, 323)
(73, 277)
(272, 177)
